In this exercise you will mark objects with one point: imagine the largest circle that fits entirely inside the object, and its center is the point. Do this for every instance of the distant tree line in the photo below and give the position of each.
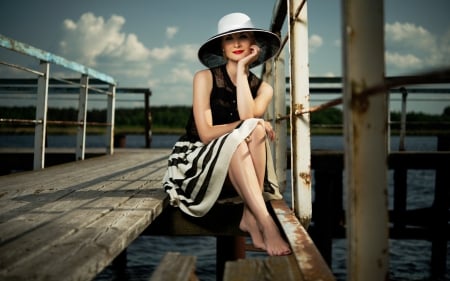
(177, 116)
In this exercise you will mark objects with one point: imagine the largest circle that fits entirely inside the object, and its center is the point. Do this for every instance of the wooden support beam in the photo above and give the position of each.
(309, 260)
(269, 269)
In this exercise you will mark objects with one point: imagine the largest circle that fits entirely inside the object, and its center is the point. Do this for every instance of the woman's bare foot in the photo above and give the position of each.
(248, 224)
(274, 243)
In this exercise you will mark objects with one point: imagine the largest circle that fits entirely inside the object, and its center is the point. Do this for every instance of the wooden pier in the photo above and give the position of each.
(70, 221)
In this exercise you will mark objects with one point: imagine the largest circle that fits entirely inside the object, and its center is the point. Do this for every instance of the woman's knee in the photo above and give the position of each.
(259, 133)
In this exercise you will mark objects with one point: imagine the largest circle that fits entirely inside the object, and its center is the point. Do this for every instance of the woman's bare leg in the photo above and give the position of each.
(256, 147)
(248, 179)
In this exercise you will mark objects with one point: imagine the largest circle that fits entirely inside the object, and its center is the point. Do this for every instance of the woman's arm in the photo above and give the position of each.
(247, 106)
(202, 109)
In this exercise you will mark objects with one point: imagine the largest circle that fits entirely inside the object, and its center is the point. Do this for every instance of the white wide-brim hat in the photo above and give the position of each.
(210, 53)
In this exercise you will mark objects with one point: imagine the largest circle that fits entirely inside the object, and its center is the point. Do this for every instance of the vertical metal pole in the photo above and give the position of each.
(401, 175)
(110, 115)
(439, 223)
(280, 126)
(148, 121)
(269, 78)
(403, 119)
(300, 131)
(40, 130)
(82, 115)
(365, 131)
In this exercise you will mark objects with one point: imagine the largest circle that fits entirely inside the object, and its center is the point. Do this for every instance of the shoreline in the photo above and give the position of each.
(26, 130)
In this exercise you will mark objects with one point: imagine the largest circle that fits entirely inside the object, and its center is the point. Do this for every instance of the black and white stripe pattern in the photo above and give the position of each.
(196, 172)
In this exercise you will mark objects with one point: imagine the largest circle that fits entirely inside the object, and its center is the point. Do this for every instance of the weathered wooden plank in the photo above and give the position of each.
(175, 267)
(49, 192)
(271, 268)
(63, 176)
(46, 208)
(67, 216)
(309, 260)
(81, 255)
(72, 229)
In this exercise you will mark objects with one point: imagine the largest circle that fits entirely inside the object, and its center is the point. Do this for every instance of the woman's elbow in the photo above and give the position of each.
(245, 116)
(204, 138)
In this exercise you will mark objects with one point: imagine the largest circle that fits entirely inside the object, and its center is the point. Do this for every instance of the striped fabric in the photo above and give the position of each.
(196, 172)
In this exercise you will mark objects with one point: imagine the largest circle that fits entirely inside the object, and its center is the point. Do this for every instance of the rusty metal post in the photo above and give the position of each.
(401, 174)
(300, 130)
(439, 223)
(82, 115)
(403, 119)
(148, 121)
(280, 126)
(110, 116)
(40, 130)
(268, 76)
(365, 131)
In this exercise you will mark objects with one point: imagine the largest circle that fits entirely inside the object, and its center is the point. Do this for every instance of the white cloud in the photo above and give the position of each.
(315, 42)
(188, 52)
(329, 74)
(132, 49)
(411, 47)
(185, 52)
(181, 74)
(101, 44)
(153, 83)
(171, 31)
(407, 61)
(162, 54)
(91, 36)
(409, 35)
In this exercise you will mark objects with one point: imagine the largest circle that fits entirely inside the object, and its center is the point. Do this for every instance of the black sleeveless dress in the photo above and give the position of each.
(196, 172)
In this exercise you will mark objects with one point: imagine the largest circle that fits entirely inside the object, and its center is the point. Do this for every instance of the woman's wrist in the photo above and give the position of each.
(242, 69)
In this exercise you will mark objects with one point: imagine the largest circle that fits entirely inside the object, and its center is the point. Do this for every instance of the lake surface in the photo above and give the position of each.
(409, 259)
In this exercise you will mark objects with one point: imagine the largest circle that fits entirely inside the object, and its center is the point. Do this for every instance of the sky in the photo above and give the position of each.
(153, 44)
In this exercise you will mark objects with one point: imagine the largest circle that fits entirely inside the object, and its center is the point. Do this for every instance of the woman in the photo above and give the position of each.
(225, 138)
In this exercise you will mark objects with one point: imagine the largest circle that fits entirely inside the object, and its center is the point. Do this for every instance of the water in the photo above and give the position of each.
(416, 143)
(409, 259)
(132, 141)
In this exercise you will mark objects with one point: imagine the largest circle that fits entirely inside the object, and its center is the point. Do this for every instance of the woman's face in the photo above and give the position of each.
(237, 45)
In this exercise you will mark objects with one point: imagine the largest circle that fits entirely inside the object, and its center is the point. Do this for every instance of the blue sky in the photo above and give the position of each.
(143, 43)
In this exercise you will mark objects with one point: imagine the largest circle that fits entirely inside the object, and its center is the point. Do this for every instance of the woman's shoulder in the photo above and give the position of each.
(203, 79)
(203, 74)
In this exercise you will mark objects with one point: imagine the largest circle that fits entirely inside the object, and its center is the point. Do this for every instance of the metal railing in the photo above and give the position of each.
(299, 101)
(366, 131)
(42, 87)
(19, 89)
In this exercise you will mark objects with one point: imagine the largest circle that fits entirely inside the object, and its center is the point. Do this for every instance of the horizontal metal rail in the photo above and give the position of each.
(23, 68)
(60, 86)
(432, 77)
(41, 87)
(51, 122)
(26, 49)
